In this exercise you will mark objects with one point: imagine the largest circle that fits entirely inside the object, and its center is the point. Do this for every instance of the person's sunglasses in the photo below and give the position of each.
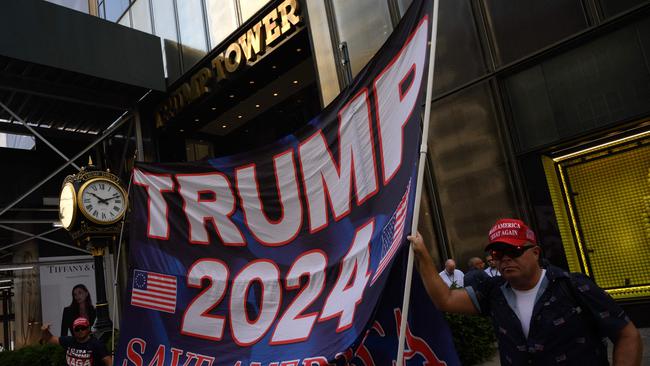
(80, 329)
(512, 252)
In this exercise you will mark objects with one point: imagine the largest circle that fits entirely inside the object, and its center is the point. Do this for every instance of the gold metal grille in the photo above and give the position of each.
(603, 208)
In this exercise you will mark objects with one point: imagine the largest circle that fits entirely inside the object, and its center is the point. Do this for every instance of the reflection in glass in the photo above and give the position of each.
(78, 5)
(353, 19)
(163, 17)
(126, 19)
(190, 20)
(115, 8)
(140, 16)
(222, 20)
(522, 27)
(249, 7)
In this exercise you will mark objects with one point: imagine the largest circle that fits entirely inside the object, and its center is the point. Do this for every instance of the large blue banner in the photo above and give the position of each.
(280, 256)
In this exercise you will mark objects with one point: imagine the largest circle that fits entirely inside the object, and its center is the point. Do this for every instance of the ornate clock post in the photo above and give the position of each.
(91, 206)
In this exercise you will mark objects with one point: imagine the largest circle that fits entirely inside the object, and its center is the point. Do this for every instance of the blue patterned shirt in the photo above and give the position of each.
(570, 320)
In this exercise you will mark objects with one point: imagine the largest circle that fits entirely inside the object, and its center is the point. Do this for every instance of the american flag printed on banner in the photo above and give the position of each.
(154, 291)
(392, 234)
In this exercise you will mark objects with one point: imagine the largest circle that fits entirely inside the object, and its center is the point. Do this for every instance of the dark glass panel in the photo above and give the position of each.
(602, 82)
(354, 19)
(458, 52)
(523, 27)
(613, 7)
(470, 168)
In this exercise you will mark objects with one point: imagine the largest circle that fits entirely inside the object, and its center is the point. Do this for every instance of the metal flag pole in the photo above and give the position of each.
(418, 187)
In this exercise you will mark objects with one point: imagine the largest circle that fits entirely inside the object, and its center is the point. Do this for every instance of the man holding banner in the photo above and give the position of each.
(542, 316)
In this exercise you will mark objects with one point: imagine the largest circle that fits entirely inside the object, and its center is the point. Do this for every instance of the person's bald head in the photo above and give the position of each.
(475, 263)
(450, 266)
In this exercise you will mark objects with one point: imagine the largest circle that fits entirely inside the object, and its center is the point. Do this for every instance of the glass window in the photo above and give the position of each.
(140, 16)
(78, 5)
(164, 19)
(101, 12)
(467, 156)
(459, 58)
(250, 7)
(190, 20)
(126, 19)
(594, 85)
(354, 19)
(192, 30)
(222, 20)
(613, 7)
(115, 8)
(522, 27)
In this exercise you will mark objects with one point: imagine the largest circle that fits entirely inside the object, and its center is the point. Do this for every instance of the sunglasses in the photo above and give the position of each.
(512, 252)
(80, 329)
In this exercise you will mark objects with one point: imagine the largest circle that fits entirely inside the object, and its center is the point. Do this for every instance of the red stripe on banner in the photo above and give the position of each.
(163, 278)
(154, 294)
(163, 289)
(154, 307)
(141, 298)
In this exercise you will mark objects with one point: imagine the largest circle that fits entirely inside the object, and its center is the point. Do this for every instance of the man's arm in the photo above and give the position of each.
(445, 299)
(628, 347)
(46, 336)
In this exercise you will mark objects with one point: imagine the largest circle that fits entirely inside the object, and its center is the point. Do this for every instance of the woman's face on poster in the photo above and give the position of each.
(79, 295)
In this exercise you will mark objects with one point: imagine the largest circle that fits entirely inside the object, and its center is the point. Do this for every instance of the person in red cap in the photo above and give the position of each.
(82, 349)
(541, 315)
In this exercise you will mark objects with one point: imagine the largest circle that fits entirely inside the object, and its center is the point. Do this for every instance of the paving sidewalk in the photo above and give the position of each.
(645, 336)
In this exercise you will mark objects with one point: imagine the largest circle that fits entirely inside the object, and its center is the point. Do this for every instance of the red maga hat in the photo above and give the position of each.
(511, 232)
(80, 322)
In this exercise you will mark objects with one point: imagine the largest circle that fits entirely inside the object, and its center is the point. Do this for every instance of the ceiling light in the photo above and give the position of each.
(232, 95)
(273, 67)
(275, 94)
(214, 108)
(224, 126)
(196, 119)
(55, 224)
(298, 49)
(257, 105)
(5, 281)
(182, 130)
(252, 82)
(295, 81)
(239, 116)
(5, 287)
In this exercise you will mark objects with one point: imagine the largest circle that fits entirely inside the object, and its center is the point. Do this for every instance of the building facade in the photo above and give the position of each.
(540, 110)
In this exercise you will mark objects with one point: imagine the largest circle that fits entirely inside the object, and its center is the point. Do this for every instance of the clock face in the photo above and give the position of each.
(102, 201)
(67, 202)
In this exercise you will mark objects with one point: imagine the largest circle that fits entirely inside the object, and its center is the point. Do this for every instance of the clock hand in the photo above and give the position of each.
(114, 196)
(101, 200)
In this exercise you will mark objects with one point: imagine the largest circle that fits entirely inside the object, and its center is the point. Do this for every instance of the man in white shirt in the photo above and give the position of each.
(491, 269)
(452, 276)
(542, 315)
